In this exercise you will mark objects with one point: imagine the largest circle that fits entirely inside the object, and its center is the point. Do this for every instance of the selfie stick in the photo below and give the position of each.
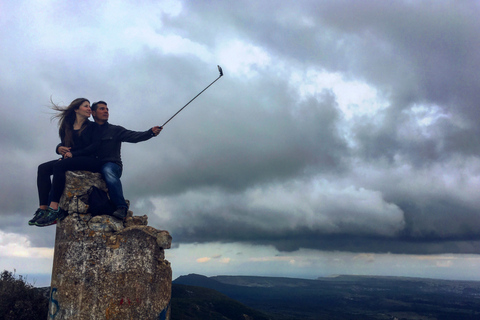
(221, 74)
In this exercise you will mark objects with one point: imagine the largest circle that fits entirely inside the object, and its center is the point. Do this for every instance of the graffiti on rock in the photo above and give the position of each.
(54, 306)
(163, 314)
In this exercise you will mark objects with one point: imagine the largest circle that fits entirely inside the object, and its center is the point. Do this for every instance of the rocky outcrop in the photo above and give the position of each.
(105, 268)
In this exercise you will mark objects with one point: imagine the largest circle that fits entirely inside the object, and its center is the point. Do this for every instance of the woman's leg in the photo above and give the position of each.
(69, 164)
(44, 184)
(58, 185)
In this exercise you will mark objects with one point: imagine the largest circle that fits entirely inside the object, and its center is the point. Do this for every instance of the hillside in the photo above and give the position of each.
(349, 297)
(192, 303)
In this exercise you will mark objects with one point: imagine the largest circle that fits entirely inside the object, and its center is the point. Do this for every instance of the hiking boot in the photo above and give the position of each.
(51, 217)
(120, 213)
(37, 215)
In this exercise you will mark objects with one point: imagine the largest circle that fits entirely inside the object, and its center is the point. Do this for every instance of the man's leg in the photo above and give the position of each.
(112, 173)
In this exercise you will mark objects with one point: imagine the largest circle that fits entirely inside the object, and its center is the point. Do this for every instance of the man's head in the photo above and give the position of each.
(100, 112)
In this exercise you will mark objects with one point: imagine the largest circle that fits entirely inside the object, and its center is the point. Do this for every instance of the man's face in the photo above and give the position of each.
(101, 114)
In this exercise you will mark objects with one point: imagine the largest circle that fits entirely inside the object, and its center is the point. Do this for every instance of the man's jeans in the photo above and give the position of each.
(112, 173)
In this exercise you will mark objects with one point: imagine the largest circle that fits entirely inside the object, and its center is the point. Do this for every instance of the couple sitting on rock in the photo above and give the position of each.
(85, 145)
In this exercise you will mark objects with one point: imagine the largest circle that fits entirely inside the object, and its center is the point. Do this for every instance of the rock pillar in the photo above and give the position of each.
(108, 269)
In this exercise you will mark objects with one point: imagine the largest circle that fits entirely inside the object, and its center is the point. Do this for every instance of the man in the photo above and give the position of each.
(112, 137)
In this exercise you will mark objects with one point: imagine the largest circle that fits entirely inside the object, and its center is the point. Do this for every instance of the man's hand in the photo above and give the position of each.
(63, 150)
(156, 130)
(68, 155)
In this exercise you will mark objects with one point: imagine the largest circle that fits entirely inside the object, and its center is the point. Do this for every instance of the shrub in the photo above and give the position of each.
(20, 300)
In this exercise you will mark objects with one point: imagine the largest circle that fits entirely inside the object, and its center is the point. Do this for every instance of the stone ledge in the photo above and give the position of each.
(110, 226)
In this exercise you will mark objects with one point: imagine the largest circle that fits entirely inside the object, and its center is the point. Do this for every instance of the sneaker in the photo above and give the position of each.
(37, 215)
(51, 217)
(120, 213)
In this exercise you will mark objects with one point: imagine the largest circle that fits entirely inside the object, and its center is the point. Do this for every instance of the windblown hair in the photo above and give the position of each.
(66, 118)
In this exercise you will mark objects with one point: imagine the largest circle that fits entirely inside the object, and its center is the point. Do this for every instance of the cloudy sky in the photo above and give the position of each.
(342, 139)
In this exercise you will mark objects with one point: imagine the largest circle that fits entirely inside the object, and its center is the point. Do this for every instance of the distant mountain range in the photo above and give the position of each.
(342, 297)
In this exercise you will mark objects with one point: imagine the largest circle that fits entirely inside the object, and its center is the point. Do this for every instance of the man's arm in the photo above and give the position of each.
(138, 136)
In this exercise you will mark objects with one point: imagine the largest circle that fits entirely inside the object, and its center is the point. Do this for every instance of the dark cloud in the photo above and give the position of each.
(254, 159)
(338, 220)
(417, 57)
(246, 141)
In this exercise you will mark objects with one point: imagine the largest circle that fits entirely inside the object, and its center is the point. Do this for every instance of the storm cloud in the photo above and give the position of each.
(338, 126)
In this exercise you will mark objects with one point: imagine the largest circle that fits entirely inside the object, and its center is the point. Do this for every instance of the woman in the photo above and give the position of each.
(79, 143)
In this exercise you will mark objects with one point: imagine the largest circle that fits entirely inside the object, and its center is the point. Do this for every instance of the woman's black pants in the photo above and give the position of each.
(51, 190)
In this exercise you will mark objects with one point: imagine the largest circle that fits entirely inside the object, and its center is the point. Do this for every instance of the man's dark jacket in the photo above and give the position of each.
(112, 137)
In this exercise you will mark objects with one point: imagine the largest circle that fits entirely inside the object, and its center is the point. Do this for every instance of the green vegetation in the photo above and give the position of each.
(20, 300)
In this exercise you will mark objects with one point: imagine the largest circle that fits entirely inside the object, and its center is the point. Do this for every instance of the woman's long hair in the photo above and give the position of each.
(66, 118)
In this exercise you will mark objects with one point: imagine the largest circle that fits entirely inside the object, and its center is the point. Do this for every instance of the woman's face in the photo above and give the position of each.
(84, 110)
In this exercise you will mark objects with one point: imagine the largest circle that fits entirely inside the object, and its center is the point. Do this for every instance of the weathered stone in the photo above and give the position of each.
(109, 275)
(105, 223)
(136, 221)
(108, 269)
(75, 197)
(162, 237)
